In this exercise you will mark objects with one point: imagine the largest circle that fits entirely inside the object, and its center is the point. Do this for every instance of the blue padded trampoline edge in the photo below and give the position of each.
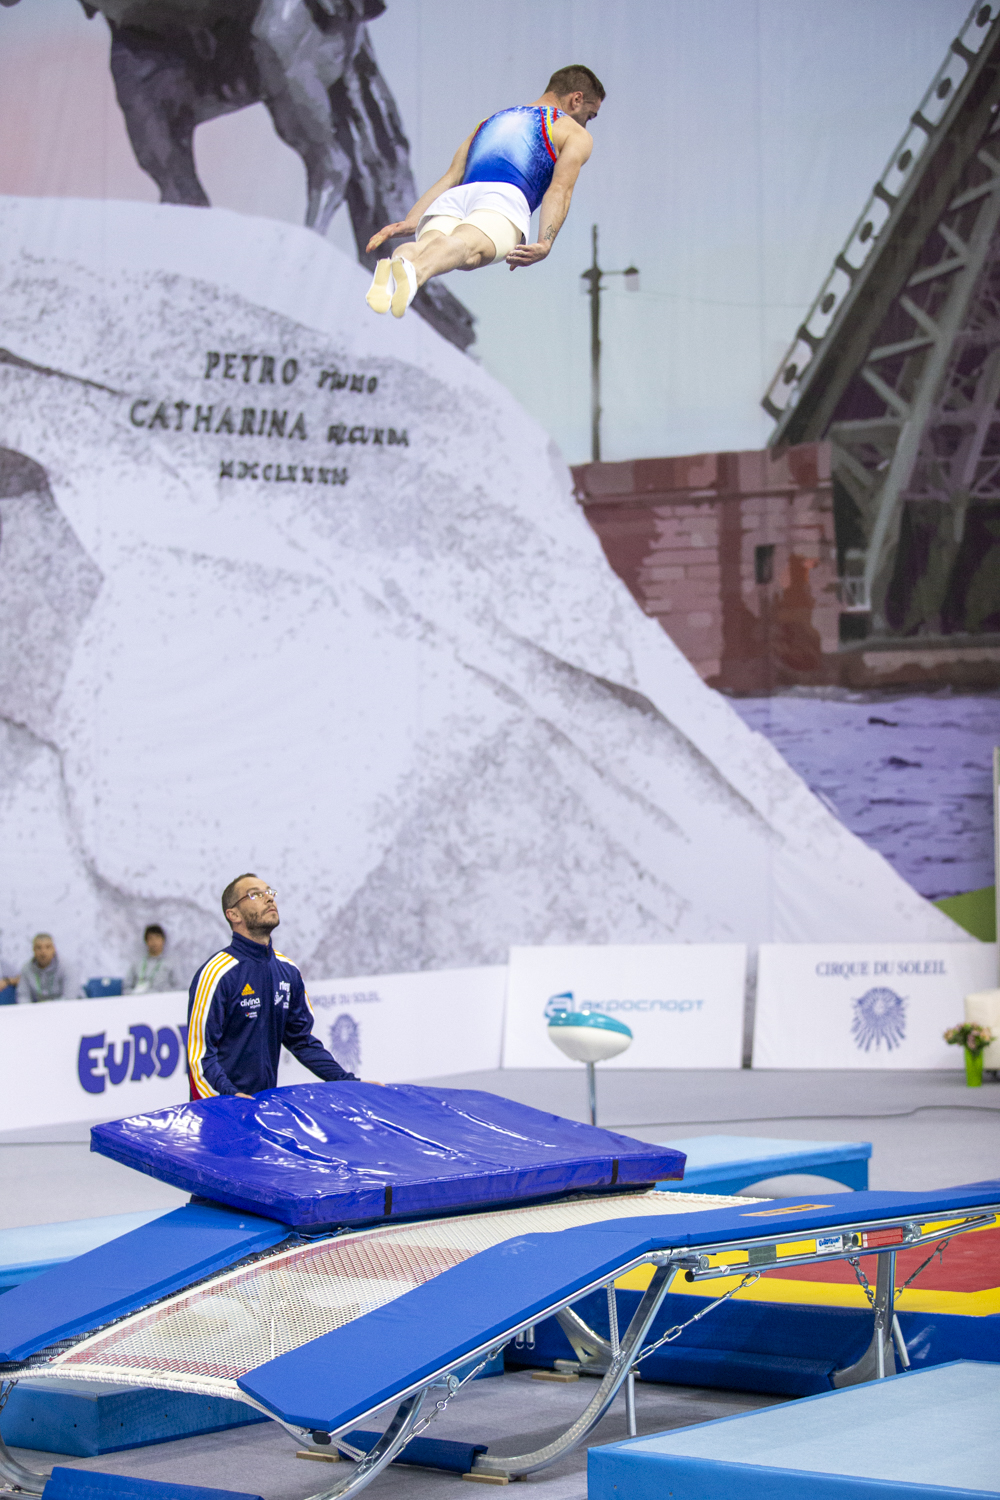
(37, 1301)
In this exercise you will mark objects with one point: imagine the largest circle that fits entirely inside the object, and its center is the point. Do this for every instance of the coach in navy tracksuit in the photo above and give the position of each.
(247, 1002)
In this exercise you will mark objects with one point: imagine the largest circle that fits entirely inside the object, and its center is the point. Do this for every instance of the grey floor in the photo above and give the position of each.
(927, 1130)
(510, 1413)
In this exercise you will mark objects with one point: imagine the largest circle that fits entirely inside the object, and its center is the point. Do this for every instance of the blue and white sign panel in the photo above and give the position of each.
(864, 1005)
(72, 1060)
(92, 1059)
(683, 1002)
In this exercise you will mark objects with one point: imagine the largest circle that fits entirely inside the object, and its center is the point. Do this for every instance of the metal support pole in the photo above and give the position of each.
(592, 1085)
(901, 1349)
(595, 351)
(630, 1403)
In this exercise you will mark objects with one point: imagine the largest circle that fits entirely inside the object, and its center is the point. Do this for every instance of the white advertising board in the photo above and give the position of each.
(683, 1002)
(87, 1059)
(72, 1060)
(864, 1005)
(403, 1027)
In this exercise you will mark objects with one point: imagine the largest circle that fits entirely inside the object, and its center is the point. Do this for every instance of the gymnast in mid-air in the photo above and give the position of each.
(480, 211)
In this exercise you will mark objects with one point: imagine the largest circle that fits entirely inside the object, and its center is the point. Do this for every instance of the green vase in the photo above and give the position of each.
(973, 1069)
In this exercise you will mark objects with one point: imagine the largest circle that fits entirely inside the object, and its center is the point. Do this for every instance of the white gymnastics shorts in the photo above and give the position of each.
(498, 209)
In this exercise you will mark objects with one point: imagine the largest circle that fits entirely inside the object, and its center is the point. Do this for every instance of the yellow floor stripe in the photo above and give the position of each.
(823, 1294)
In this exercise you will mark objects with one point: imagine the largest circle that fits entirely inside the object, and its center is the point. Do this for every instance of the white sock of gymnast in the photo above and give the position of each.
(405, 279)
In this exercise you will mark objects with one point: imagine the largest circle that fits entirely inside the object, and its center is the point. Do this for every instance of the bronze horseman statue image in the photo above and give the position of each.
(178, 63)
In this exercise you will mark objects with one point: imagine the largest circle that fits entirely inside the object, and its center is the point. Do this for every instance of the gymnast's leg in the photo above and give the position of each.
(464, 248)
(456, 246)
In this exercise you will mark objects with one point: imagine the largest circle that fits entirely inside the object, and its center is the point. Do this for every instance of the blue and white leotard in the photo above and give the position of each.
(515, 146)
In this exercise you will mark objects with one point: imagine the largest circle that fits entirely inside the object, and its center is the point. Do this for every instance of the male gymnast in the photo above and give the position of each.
(479, 213)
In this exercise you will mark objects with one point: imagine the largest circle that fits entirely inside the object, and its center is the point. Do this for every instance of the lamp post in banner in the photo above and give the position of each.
(592, 278)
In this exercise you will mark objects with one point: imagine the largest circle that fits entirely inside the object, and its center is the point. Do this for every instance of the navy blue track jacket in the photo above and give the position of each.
(244, 1005)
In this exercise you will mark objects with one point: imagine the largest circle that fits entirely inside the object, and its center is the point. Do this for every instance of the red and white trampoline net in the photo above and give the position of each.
(203, 1340)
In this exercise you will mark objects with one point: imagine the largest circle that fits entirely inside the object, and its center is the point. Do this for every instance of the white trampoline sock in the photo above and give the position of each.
(405, 278)
(379, 294)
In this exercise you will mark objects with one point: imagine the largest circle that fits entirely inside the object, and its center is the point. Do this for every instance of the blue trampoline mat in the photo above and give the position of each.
(322, 1154)
(925, 1433)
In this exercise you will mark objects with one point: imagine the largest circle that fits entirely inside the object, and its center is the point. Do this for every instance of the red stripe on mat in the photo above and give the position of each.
(971, 1263)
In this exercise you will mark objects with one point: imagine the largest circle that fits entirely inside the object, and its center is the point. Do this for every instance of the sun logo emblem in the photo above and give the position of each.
(879, 1016)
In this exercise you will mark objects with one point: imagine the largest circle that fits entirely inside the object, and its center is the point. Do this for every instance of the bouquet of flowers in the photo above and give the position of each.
(970, 1035)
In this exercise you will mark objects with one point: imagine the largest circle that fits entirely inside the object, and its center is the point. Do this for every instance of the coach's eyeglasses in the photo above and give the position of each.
(267, 895)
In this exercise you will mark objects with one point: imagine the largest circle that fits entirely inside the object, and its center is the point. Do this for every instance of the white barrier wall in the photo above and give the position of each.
(70, 1060)
(683, 1002)
(404, 1027)
(864, 1005)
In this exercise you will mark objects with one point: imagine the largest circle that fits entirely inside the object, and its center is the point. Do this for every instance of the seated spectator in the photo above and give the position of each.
(42, 978)
(153, 973)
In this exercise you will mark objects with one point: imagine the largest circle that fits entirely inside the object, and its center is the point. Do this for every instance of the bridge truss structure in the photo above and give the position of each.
(897, 365)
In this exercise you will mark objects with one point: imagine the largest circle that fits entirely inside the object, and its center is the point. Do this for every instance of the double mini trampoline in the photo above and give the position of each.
(369, 1250)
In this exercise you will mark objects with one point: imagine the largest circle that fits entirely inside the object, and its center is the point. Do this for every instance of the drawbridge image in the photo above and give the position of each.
(897, 365)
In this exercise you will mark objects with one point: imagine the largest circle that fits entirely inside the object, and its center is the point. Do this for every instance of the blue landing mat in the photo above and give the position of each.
(85, 1484)
(930, 1434)
(85, 1418)
(730, 1163)
(324, 1154)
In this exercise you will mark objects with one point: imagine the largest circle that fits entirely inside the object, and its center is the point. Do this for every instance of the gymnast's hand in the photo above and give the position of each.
(528, 255)
(388, 233)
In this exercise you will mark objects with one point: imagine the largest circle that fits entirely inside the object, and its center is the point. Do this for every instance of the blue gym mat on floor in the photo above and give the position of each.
(325, 1154)
(730, 1163)
(930, 1434)
(86, 1484)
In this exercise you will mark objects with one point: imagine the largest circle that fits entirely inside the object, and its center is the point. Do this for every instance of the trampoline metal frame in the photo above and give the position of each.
(410, 1401)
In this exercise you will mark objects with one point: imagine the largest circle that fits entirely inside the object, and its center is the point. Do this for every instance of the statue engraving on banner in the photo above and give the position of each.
(311, 63)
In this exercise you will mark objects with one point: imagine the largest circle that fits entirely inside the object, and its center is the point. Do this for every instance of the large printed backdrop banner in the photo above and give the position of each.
(683, 1002)
(865, 1005)
(288, 587)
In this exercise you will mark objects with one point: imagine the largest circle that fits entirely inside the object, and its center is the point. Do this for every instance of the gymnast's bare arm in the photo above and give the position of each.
(451, 179)
(574, 145)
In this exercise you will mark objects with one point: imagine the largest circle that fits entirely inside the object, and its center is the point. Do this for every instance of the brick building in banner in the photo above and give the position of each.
(736, 555)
